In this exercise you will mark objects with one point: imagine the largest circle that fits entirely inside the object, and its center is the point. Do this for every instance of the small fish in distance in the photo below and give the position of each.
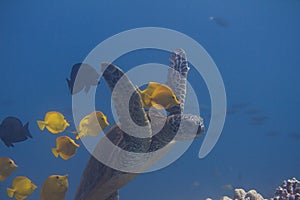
(82, 76)
(12, 131)
(219, 21)
(258, 120)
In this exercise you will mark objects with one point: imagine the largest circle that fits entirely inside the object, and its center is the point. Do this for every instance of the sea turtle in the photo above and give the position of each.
(101, 182)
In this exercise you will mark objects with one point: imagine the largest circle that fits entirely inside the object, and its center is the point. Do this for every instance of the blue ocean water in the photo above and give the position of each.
(257, 54)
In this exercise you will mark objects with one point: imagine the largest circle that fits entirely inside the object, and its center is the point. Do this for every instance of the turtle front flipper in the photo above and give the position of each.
(127, 101)
(176, 78)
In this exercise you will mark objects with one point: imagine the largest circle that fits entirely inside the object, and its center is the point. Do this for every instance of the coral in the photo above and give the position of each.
(253, 195)
(225, 198)
(289, 190)
(240, 194)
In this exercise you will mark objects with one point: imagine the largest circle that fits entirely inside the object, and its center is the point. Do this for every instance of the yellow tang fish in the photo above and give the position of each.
(55, 188)
(22, 187)
(54, 121)
(65, 147)
(158, 95)
(92, 125)
(7, 166)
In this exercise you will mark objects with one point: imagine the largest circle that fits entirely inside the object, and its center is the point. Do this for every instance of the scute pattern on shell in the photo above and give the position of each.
(100, 182)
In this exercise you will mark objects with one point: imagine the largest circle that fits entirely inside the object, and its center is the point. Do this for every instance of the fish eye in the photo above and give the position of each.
(57, 177)
(10, 162)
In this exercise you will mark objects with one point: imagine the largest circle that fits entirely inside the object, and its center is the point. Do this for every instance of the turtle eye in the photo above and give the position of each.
(57, 177)
(10, 162)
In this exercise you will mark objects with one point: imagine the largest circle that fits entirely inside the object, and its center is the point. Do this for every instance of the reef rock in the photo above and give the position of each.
(240, 194)
(225, 198)
(289, 190)
(253, 195)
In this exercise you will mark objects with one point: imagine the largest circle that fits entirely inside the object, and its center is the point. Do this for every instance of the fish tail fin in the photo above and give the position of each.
(73, 132)
(69, 82)
(41, 124)
(26, 125)
(10, 192)
(54, 151)
(7, 143)
(79, 135)
(76, 133)
(27, 130)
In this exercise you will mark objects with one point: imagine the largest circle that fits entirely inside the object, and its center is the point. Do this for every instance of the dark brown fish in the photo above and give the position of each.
(12, 131)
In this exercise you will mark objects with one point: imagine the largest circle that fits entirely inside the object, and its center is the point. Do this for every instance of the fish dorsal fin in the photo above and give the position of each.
(10, 192)
(152, 86)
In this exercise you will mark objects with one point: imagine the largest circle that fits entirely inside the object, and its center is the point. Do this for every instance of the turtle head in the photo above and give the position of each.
(191, 127)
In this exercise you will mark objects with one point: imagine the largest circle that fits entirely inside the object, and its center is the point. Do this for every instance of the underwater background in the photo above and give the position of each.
(255, 45)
